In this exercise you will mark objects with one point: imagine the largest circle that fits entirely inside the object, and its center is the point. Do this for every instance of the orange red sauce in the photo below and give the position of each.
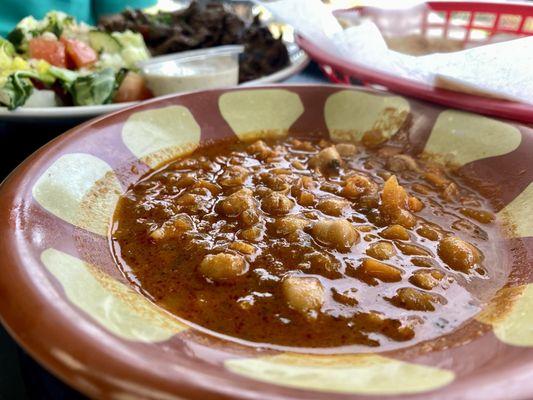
(308, 243)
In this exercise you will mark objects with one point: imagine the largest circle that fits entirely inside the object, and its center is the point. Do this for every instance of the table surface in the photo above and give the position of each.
(21, 378)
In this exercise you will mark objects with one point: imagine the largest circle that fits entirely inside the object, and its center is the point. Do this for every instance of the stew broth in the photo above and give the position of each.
(303, 242)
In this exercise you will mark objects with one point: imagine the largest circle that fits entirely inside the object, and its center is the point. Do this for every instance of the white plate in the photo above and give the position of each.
(299, 61)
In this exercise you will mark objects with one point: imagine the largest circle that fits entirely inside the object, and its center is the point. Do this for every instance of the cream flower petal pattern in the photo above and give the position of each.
(350, 113)
(518, 214)
(462, 137)
(116, 307)
(161, 134)
(516, 328)
(261, 112)
(511, 315)
(80, 189)
(355, 374)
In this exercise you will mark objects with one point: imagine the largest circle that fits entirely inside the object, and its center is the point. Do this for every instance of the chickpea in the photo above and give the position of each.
(261, 150)
(346, 297)
(384, 175)
(458, 254)
(290, 225)
(346, 149)
(307, 182)
(395, 232)
(399, 333)
(252, 234)
(420, 188)
(306, 199)
(330, 187)
(302, 145)
(173, 228)
(414, 204)
(378, 270)
(303, 294)
(237, 203)
(401, 162)
(262, 191)
(414, 299)
(428, 232)
(387, 151)
(276, 203)
(323, 143)
(185, 181)
(242, 247)
(234, 175)
(328, 160)
(357, 185)
(485, 217)
(364, 228)
(339, 234)
(213, 188)
(423, 262)
(405, 219)
(373, 138)
(200, 190)
(412, 250)
(451, 192)
(369, 202)
(426, 279)
(223, 267)
(381, 250)
(333, 206)
(324, 263)
(374, 320)
(277, 182)
(257, 146)
(249, 217)
(436, 179)
(188, 200)
(298, 165)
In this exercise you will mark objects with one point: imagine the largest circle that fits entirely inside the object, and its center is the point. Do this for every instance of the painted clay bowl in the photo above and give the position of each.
(65, 301)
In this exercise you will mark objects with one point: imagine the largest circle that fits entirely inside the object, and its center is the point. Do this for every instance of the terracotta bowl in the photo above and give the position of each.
(65, 301)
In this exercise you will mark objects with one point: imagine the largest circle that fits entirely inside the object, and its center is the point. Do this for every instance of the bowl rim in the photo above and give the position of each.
(193, 383)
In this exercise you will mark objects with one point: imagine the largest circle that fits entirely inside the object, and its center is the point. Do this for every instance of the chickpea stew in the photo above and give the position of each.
(305, 243)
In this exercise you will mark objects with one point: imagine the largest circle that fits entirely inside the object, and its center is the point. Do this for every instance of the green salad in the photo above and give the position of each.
(57, 61)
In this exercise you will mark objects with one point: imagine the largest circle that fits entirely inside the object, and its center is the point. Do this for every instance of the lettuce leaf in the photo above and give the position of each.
(6, 48)
(96, 88)
(17, 89)
(65, 76)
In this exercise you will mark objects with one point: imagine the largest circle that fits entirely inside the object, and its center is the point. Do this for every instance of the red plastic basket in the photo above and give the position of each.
(439, 19)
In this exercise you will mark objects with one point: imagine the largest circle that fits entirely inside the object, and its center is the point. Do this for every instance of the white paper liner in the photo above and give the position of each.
(502, 70)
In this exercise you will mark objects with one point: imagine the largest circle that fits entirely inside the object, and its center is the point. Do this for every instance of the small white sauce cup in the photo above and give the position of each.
(216, 67)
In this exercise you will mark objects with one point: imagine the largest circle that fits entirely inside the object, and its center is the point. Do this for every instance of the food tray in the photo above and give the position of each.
(444, 19)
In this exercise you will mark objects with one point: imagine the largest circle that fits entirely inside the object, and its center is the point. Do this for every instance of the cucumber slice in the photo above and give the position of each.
(104, 42)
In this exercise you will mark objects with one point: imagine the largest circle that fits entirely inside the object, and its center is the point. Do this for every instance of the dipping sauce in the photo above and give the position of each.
(302, 242)
(190, 74)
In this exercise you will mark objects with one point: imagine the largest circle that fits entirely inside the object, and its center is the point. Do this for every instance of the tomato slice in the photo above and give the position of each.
(79, 54)
(132, 88)
(52, 51)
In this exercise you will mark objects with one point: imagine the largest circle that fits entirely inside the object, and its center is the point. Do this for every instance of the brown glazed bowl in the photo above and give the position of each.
(65, 301)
